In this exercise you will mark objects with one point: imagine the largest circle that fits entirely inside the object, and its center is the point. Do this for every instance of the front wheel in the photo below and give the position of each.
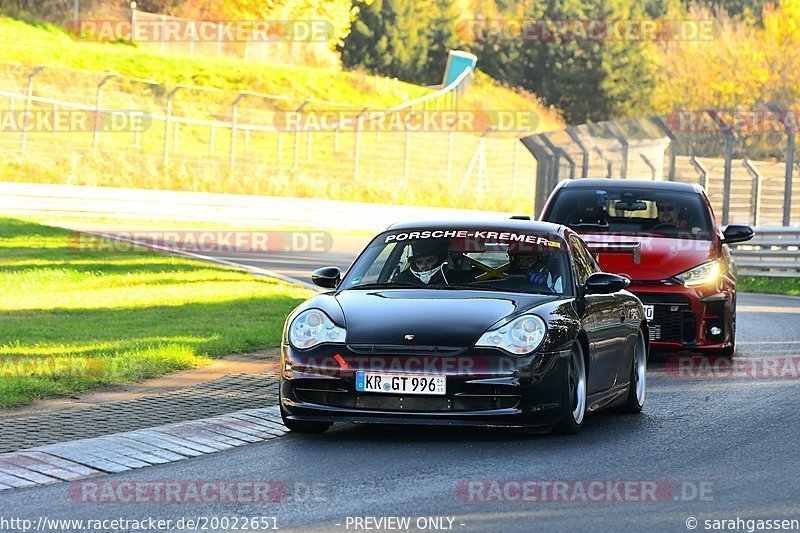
(573, 407)
(637, 385)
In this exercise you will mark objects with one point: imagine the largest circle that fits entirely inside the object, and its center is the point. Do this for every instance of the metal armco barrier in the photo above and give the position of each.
(774, 252)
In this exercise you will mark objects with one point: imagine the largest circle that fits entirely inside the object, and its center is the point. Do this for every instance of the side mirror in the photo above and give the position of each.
(605, 283)
(737, 233)
(326, 277)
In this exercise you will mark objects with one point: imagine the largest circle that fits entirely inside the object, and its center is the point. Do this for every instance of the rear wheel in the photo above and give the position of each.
(573, 407)
(637, 386)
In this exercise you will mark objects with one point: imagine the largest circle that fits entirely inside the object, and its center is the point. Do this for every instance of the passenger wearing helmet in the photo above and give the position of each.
(590, 213)
(426, 264)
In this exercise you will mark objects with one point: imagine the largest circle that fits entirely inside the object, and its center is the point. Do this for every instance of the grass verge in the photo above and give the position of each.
(72, 320)
(787, 286)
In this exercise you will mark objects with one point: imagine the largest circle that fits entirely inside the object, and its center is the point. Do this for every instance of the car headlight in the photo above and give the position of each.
(701, 275)
(520, 336)
(312, 327)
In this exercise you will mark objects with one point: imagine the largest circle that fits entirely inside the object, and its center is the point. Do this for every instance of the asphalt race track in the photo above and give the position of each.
(722, 445)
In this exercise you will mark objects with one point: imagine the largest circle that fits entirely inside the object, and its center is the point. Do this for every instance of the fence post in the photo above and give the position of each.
(585, 159)
(336, 138)
(167, 123)
(753, 171)
(623, 141)
(702, 170)
(28, 98)
(787, 186)
(406, 158)
(96, 139)
(296, 155)
(543, 158)
(137, 137)
(163, 32)
(726, 190)
(357, 143)
(191, 39)
(555, 171)
(730, 136)
(450, 153)
(672, 148)
(650, 165)
(515, 159)
(133, 20)
(234, 120)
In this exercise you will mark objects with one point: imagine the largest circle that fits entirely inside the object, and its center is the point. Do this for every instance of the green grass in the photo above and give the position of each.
(45, 44)
(71, 320)
(787, 286)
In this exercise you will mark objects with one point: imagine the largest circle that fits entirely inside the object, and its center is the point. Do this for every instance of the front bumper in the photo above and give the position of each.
(692, 318)
(484, 387)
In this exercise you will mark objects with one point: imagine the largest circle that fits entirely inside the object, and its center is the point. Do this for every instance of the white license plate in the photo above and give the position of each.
(400, 383)
(648, 311)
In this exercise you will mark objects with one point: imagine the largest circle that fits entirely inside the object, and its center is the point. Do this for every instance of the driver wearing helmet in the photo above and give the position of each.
(533, 268)
(426, 264)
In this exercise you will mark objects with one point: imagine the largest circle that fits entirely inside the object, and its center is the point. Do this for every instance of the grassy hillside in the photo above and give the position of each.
(421, 169)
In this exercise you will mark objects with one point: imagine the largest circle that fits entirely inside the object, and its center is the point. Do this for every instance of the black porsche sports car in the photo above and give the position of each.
(509, 323)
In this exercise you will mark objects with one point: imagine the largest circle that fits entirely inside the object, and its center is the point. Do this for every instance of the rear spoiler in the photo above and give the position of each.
(633, 248)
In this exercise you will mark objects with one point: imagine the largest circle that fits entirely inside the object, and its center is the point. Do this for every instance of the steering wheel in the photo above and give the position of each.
(665, 225)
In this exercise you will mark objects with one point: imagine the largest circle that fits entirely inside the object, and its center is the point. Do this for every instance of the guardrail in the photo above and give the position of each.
(774, 252)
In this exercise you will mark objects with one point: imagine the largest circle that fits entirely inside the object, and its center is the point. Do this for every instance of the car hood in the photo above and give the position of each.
(433, 316)
(660, 258)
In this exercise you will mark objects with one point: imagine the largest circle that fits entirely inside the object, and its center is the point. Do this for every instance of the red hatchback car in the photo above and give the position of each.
(663, 235)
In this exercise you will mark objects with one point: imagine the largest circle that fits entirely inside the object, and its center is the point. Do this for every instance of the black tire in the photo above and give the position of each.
(302, 426)
(638, 376)
(573, 406)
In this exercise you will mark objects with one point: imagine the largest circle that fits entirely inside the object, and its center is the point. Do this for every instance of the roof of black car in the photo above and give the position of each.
(483, 224)
(608, 183)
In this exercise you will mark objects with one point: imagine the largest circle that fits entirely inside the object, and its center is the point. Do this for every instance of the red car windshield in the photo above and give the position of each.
(631, 211)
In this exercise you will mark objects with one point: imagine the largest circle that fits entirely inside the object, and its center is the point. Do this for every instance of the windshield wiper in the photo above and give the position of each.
(588, 225)
(461, 286)
(387, 285)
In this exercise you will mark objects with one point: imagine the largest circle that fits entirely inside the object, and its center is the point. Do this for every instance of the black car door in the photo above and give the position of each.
(601, 320)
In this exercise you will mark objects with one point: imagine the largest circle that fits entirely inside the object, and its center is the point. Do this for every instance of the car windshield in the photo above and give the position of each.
(491, 260)
(631, 211)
